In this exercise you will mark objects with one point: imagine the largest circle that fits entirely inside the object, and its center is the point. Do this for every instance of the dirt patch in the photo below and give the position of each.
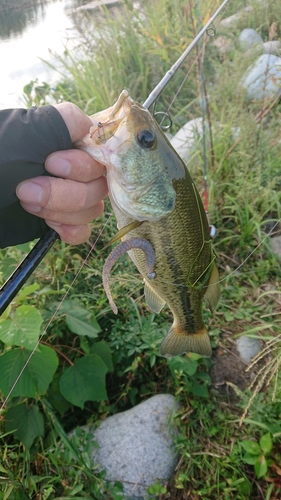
(228, 369)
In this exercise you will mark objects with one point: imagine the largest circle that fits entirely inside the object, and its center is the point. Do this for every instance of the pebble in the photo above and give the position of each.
(186, 139)
(247, 348)
(249, 38)
(276, 245)
(263, 78)
(273, 47)
(136, 446)
(240, 18)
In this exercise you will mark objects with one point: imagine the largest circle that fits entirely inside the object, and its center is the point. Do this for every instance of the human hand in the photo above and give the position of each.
(74, 197)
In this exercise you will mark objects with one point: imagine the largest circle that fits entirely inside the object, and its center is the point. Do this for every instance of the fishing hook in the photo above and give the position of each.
(101, 133)
(14, 283)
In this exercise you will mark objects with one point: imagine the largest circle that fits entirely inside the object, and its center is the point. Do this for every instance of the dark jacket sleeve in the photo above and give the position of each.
(27, 137)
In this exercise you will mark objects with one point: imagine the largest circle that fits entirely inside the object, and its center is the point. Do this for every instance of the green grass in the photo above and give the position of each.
(134, 49)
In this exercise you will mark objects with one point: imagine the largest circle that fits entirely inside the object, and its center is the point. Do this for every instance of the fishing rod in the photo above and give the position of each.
(17, 279)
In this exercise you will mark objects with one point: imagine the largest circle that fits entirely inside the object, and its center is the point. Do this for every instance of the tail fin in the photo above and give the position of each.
(179, 342)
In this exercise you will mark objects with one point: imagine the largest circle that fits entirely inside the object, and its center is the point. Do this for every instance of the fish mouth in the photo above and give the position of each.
(107, 122)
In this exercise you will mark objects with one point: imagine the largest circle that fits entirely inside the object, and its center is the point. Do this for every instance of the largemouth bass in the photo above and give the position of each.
(161, 220)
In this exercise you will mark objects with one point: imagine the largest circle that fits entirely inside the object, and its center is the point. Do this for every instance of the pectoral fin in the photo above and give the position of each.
(122, 232)
(213, 291)
(154, 302)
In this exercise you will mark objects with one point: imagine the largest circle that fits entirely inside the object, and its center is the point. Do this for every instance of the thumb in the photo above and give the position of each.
(77, 122)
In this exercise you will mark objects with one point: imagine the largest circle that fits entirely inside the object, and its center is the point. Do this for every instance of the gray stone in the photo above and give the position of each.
(247, 348)
(136, 446)
(276, 245)
(273, 47)
(263, 78)
(186, 139)
(249, 38)
(240, 18)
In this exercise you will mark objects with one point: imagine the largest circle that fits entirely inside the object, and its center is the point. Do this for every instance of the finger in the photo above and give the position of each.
(74, 235)
(77, 122)
(74, 164)
(63, 195)
(71, 218)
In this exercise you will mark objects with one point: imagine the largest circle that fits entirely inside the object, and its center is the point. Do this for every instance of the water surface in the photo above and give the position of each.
(25, 39)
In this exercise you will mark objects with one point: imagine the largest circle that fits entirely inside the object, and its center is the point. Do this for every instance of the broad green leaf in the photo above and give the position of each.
(27, 423)
(260, 466)
(84, 381)
(55, 396)
(251, 447)
(37, 374)
(200, 389)
(23, 329)
(250, 459)
(6, 313)
(183, 363)
(244, 487)
(266, 443)
(80, 320)
(8, 265)
(103, 351)
(27, 290)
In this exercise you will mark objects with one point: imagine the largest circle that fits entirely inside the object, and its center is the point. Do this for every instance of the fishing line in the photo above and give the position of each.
(236, 269)
(250, 254)
(203, 111)
(55, 313)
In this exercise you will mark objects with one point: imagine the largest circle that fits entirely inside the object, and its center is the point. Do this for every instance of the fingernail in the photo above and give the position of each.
(34, 209)
(30, 192)
(52, 223)
(58, 166)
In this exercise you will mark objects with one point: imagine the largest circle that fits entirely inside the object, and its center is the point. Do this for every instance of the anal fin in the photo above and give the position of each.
(153, 300)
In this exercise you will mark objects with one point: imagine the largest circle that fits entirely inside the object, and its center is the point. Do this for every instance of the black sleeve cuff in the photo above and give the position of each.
(27, 137)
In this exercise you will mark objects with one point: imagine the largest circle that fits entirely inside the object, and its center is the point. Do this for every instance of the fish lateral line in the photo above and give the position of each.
(118, 251)
(204, 242)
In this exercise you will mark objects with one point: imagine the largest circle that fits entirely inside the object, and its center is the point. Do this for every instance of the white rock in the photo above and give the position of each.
(273, 47)
(136, 446)
(249, 38)
(248, 348)
(263, 77)
(240, 16)
(276, 245)
(186, 139)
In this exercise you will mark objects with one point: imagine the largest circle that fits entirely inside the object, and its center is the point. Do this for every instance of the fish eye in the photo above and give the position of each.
(146, 138)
